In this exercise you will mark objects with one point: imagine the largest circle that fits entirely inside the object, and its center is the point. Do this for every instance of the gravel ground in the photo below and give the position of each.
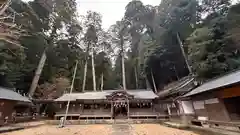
(123, 129)
(156, 129)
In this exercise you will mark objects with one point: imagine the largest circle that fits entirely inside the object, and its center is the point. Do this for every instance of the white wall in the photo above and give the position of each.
(187, 107)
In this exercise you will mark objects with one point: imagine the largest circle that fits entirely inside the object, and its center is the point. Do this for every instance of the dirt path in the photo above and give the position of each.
(121, 129)
(156, 129)
(116, 129)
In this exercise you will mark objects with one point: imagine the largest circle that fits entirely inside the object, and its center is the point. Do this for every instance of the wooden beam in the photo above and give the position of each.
(5, 6)
(153, 81)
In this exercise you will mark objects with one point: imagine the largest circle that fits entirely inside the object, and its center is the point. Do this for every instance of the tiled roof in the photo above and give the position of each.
(179, 89)
(226, 80)
(12, 95)
(138, 94)
(181, 86)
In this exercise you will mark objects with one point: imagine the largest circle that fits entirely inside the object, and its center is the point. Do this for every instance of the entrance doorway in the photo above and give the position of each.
(232, 107)
(120, 110)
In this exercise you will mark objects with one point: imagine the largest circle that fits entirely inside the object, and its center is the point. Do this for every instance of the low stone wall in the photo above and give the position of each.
(231, 126)
(120, 121)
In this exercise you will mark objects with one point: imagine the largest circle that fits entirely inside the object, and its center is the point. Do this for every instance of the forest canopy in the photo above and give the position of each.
(156, 45)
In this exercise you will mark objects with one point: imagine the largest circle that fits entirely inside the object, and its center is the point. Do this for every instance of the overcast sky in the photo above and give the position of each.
(111, 10)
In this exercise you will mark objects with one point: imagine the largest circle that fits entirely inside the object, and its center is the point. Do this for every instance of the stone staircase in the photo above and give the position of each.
(122, 121)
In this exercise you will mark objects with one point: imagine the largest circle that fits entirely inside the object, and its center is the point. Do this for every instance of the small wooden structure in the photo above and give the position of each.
(109, 104)
(216, 102)
(13, 106)
(218, 99)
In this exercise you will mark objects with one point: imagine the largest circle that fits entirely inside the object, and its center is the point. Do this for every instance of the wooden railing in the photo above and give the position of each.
(85, 112)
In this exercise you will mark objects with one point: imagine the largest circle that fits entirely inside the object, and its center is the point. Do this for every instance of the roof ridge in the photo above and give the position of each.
(221, 81)
(140, 94)
(12, 95)
(220, 76)
(76, 92)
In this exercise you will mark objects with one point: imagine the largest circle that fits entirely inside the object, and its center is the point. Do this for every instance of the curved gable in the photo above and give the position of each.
(118, 95)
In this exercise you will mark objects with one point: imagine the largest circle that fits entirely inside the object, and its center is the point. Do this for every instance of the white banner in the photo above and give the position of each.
(211, 101)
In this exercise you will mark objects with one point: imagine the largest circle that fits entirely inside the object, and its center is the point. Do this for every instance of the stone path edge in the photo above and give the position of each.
(197, 128)
(16, 128)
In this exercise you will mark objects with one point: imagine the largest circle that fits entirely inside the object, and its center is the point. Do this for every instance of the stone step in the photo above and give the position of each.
(122, 121)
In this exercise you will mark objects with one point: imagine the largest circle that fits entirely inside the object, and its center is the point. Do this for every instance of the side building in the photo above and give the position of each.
(216, 102)
(12, 105)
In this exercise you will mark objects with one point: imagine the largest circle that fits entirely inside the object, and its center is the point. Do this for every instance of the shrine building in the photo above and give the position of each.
(108, 104)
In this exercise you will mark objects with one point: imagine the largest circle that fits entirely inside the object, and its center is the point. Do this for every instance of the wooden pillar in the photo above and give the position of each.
(128, 108)
(224, 109)
(151, 105)
(183, 116)
(38, 106)
(111, 109)
(82, 109)
(169, 111)
(87, 119)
